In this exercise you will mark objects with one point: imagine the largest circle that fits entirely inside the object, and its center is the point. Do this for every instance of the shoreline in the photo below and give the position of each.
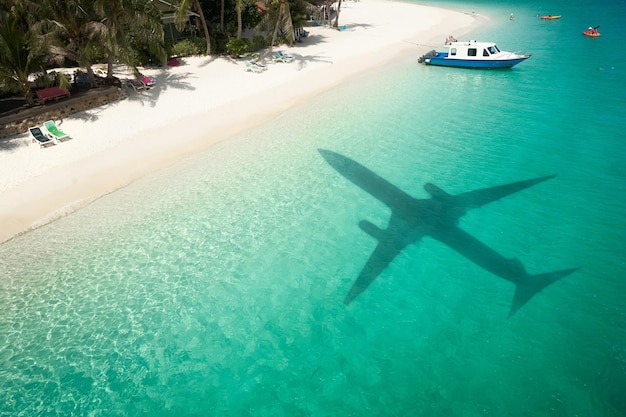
(199, 104)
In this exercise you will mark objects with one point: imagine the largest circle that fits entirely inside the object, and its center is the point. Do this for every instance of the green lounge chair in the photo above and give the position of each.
(54, 132)
(280, 56)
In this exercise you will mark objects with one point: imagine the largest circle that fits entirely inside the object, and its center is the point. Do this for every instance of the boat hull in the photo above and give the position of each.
(441, 59)
(592, 34)
(550, 17)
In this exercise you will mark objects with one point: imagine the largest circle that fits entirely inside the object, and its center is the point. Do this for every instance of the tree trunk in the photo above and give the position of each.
(110, 67)
(239, 20)
(204, 26)
(28, 94)
(276, 26)
(92, 77)
(283, 14)
(336, 25)
(222, 11)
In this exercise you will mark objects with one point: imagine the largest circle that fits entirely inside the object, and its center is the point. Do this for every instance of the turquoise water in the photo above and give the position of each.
(216, 287)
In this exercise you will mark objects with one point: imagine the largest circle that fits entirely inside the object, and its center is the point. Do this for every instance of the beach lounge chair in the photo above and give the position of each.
(148, 82)
(255, 67)
(39, 137)
(136, 84)
(280, 56)
(54, 132)
(258, 64)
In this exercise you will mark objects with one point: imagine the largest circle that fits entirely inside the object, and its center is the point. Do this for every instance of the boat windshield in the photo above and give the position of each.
(494, 49)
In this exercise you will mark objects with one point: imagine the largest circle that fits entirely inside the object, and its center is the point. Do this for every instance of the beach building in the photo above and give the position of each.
(168, 17)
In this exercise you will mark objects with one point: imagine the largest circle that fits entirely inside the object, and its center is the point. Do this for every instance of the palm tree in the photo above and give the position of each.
(72, 30)
(19, 55)
(181, 16)
(283, 21)
(115, 35)
(131, 24)
(143, 24)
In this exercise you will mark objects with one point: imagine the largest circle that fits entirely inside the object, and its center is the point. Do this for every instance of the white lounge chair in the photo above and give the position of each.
(255, 67)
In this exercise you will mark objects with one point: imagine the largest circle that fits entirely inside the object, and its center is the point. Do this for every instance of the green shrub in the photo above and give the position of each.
(281, 39)
(188, 47)
(218, 43)
(236, 47)
(259, 42)
(62, 80)
(9, 87)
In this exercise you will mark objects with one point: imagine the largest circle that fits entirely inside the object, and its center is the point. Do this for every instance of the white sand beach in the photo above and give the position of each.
(200, 103)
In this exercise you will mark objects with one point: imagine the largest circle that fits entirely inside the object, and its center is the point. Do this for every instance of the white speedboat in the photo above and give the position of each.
(472, 54)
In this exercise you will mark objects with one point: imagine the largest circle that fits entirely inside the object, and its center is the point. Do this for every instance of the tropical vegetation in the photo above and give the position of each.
(37, 35)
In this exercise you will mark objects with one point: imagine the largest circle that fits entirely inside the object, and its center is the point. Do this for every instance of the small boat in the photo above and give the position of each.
(593, 32)
(551, 17)
(472, 54)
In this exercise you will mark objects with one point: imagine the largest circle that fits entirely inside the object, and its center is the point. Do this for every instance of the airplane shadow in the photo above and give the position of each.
(437, 217)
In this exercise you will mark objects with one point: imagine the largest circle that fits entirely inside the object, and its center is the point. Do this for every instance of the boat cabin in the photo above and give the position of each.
(472, 50)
